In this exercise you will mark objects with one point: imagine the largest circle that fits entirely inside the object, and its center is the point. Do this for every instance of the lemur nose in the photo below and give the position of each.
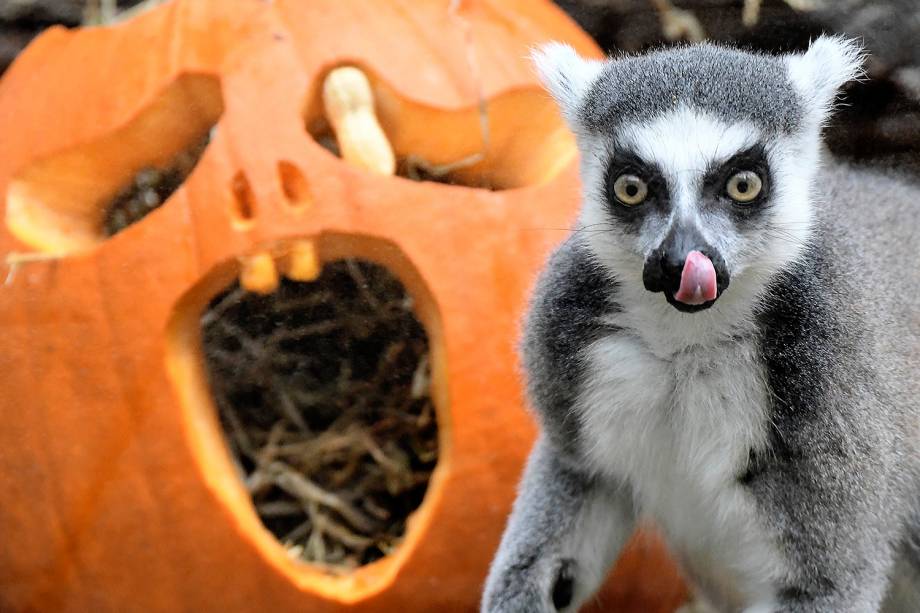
(665, 264)
(672, 264)
(663, 269)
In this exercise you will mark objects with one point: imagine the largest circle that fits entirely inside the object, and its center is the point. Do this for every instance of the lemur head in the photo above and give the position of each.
(698, 162)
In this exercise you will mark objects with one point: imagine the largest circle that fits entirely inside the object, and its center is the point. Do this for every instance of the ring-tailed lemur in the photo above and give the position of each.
(726, 344)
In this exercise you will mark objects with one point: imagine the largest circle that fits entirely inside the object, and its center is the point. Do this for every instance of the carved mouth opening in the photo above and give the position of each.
(323, 390)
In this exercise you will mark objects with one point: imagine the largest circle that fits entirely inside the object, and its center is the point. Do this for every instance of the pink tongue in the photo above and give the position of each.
(697, 281)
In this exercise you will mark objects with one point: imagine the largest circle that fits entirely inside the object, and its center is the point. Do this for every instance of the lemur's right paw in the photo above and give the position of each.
(523, 588)
(564, 585)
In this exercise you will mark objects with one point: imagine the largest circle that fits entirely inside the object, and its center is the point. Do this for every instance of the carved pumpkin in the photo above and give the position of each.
(119, 493)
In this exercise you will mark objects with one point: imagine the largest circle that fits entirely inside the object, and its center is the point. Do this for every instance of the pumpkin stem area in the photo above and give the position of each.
(323, 392)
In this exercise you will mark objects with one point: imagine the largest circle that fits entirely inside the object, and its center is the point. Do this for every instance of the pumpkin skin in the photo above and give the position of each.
(119, 494)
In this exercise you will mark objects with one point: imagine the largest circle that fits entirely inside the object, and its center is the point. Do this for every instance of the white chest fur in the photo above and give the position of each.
(679, 430)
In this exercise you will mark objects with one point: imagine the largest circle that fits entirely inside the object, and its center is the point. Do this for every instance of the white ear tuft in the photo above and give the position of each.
(829, 62)
(566, 75)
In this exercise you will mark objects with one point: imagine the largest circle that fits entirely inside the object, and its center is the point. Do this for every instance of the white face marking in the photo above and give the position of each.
(684, 144)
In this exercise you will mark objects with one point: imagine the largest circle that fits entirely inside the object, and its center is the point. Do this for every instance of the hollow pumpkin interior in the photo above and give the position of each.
(187, 368)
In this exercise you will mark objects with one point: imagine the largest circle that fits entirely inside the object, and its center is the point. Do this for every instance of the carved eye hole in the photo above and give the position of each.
(743, 186)
(630, 189)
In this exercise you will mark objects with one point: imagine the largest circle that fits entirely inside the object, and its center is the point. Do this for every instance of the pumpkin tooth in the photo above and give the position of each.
(349, 104)
(259, 273)
(302, 262)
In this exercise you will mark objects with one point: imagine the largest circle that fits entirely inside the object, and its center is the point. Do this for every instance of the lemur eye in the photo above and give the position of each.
(630, 189)
(743, 186)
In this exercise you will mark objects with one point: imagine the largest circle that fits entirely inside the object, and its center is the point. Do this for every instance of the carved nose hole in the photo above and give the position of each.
(294, 185)
(243, 199)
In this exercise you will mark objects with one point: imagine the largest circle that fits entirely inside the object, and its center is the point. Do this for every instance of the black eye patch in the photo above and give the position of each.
(628, 163)
(753, 159)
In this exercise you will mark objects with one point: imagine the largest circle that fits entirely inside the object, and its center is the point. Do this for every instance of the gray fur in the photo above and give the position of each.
(841, 338)
(709, 77)
(535, 546)
(561, 323)
(775, 437)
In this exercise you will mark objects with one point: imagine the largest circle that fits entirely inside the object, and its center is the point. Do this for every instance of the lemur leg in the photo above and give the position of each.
(829, 518)
(565, 531)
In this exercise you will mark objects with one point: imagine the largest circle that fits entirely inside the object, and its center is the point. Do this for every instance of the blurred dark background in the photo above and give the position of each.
(21, 20)
(879, 119)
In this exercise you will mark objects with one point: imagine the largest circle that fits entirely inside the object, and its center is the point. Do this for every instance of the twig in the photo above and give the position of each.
(217, 311)
(257, 482)
(346, 536)
(289, 410)
(299, 532)
(297, 485)
(239, 433)
(279, 508)
(315, 546)
(420, 379)
(376, 510)
(301, 332)
(361, 281)
(16, 259)
(269, 450)
(380, 457)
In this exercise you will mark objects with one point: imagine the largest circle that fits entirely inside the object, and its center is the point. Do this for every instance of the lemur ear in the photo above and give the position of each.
(829, 62)
(566, 75)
